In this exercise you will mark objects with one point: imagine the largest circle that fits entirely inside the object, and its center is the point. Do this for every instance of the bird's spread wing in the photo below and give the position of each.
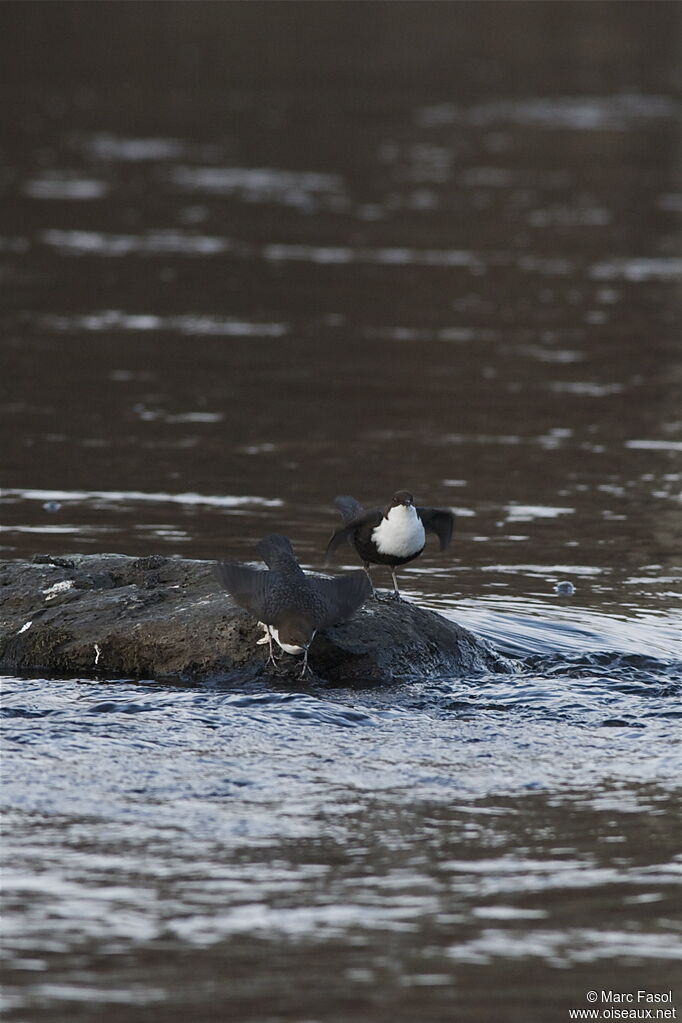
(345, 533)
(440, 521)
(341, 596)
(247, 586)
(350, 508)
(342, 535)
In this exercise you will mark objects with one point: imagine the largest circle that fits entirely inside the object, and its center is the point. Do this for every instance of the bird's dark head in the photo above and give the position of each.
(295, 632)
(401, 497)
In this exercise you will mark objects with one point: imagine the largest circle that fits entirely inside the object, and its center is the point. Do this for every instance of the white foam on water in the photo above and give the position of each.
(224, 501)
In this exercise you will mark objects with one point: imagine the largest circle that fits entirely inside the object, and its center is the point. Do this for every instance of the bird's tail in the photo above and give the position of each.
(277, 552)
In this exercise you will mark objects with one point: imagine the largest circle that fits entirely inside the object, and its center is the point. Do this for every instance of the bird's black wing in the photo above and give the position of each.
(440, 521)
(350, 508)
(370, 518)
(248, 586)
(340, 597)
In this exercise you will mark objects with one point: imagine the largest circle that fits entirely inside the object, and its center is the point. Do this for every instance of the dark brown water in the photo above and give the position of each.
(255, 255)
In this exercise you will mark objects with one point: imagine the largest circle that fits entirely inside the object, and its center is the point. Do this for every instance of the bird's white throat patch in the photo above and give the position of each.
(286, 647)
(400, 535)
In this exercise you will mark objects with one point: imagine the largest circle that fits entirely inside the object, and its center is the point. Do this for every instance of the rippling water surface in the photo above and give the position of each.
(248, 265)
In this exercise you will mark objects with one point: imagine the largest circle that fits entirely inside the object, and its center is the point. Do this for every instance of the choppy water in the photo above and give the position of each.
(454, 268)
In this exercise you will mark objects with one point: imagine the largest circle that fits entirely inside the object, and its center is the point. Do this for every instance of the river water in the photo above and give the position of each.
(257, 255)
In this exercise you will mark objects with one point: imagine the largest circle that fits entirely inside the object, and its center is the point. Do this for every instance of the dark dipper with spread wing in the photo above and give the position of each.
(393, 535)
(290, 605)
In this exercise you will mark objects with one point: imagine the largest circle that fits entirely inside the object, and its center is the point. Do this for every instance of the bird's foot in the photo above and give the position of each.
(305, 667)
(273, 659)
(396, 591)
(368, 573)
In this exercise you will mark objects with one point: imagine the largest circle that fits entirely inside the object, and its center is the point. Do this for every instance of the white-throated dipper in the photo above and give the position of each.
(290, 605)
(392, 536)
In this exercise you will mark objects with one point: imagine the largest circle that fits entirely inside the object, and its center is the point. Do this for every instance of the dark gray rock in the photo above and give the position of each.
(167, 618)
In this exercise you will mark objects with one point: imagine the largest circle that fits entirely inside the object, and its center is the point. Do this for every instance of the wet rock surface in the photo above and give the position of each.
(168, 618)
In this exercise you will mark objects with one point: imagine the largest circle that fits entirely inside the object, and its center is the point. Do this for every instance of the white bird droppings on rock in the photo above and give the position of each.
(53, 591)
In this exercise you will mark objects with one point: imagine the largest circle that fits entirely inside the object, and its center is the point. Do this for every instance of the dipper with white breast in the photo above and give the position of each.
(392, 536)
(290, 605)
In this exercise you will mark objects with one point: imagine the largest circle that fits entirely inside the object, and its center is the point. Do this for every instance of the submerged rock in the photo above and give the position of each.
(168, 618)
